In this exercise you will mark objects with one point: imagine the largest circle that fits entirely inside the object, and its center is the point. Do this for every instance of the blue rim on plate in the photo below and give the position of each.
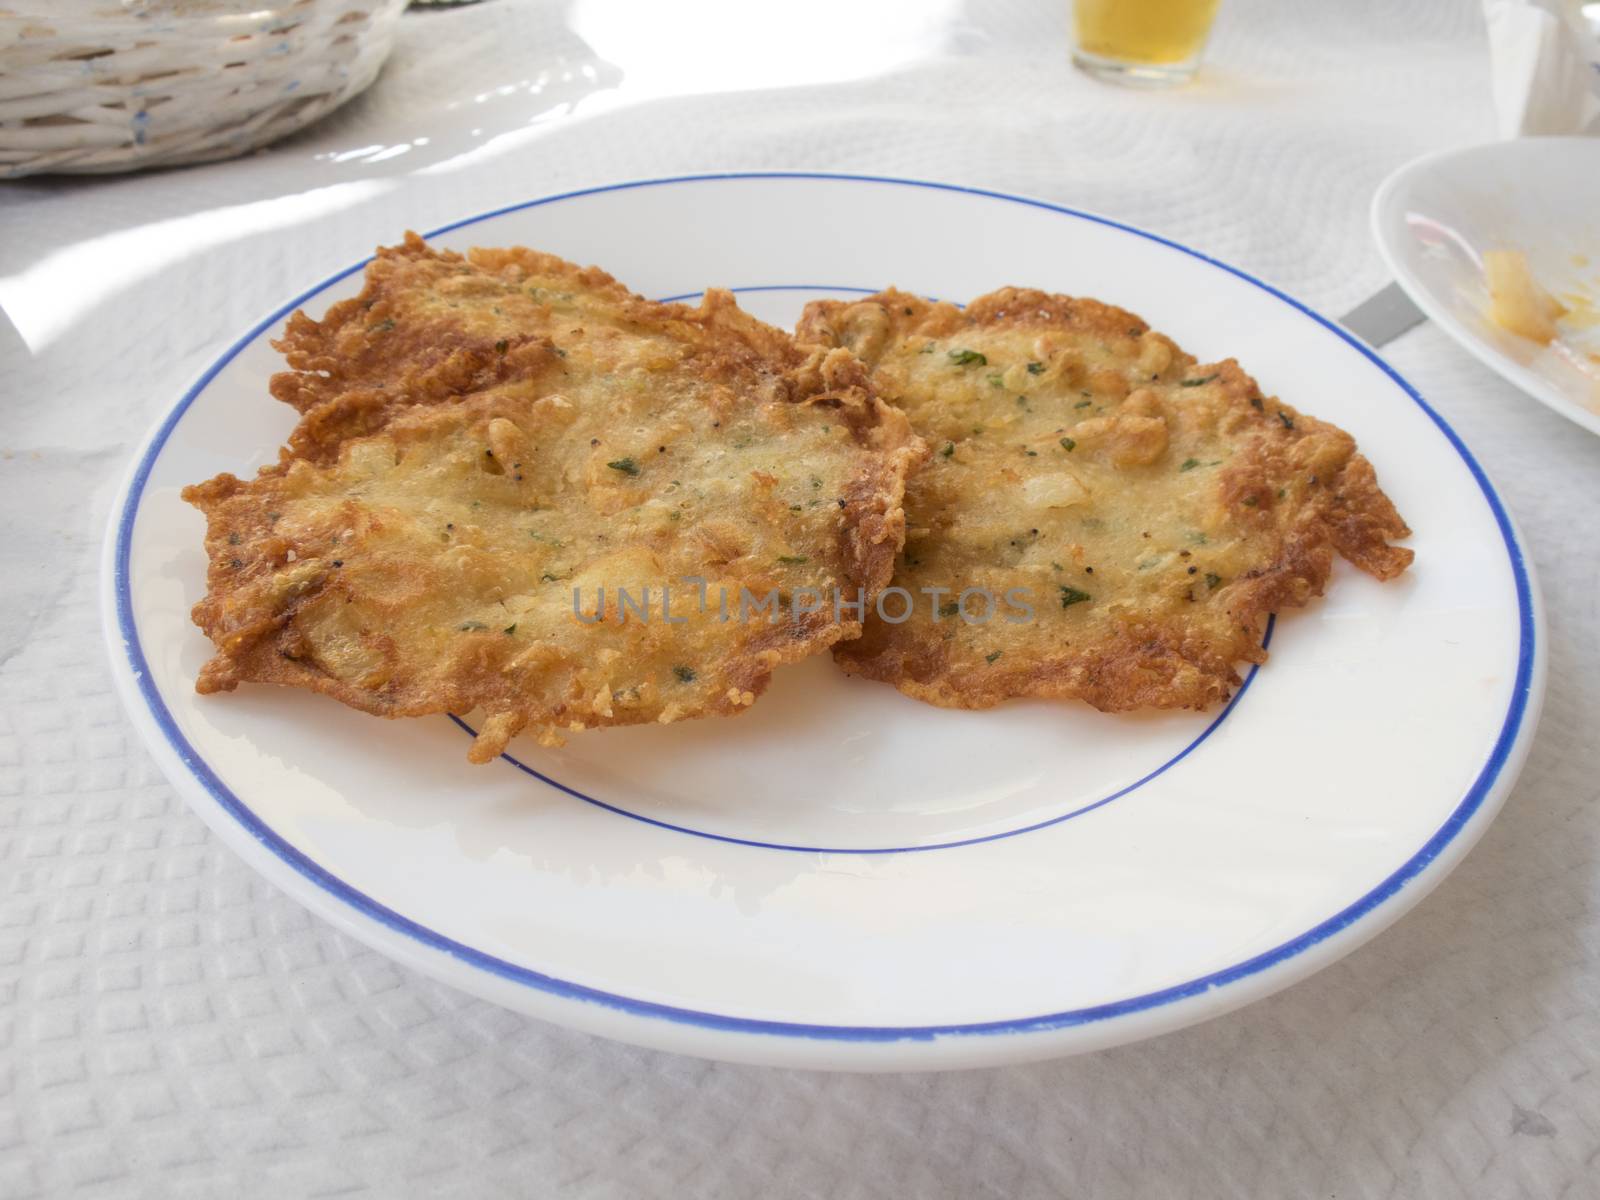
(1487, 777)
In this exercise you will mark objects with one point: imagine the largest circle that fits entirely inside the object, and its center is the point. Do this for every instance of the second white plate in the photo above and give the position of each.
(1436, 217)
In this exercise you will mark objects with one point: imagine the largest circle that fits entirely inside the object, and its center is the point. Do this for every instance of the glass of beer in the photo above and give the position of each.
(1148, 43)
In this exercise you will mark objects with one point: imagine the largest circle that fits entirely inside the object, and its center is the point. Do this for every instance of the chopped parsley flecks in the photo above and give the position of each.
(1082, 404)
(1071, 595)
(996, 380)
(948, 450)
(510, 629)
(990, 658)
(1189, 464)
(684, 674)
(1250, 502)
(949, 610)
(1288, 421)
(1036, 368)
(1200, 382)
(1212, 580)
(502, 346)
(1068, 444)
(383, 326)
(626, 465)
(968, 358)
(793, 560)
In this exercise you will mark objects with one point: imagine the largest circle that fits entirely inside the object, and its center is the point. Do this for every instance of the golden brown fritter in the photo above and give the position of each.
(1150, 512)
(432, 325)
(436, 323)
(444, 551)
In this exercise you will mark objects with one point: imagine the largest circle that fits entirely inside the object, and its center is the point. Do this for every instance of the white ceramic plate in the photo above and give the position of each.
(1435, 217)
(844, 877)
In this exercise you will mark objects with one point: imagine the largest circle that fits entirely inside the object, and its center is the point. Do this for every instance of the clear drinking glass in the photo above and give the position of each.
(1145, 43)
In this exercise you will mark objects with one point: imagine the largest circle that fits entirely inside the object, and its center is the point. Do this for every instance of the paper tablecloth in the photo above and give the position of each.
(172, 1026)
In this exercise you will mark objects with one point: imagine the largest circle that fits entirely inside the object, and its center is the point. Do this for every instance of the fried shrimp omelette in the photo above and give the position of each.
(432, 325)
(438, 534)
(1146, 513)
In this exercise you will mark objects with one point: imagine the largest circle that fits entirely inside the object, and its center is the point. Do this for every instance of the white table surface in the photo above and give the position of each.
(171, 1026)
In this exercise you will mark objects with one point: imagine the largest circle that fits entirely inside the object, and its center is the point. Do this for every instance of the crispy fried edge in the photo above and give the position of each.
(319, 352)
(1149, 664)
(872, 533)
(732, 347)
(337, 402)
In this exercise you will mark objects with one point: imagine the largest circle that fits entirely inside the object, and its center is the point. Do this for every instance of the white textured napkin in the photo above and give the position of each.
(1544, 56)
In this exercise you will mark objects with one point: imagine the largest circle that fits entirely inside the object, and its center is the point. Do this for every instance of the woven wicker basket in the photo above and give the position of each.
(113, 85)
